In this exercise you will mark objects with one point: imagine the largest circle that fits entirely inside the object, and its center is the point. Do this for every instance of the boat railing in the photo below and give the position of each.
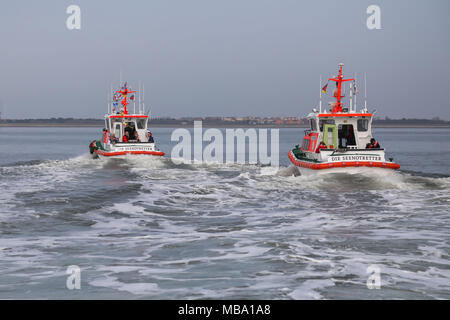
(131, 142)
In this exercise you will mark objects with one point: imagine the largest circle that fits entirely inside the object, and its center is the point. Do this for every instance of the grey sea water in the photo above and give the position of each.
(150, 229)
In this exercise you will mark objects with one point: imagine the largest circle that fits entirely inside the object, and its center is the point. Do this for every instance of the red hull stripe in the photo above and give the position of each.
(129, 116)
(327, 165)
(121, 153)
(331, 115)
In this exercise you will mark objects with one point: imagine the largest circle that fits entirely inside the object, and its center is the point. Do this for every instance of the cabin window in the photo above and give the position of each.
(363, 124)
(117, 130)
(322, 122)
(313, 124)
(141, 123)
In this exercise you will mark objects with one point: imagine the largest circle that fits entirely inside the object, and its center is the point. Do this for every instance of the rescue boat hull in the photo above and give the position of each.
(101, 149)
(306, 166)
(123, 153)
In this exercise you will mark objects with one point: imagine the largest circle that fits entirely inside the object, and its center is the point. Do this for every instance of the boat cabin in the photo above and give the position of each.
(116, 124)
(338, 130)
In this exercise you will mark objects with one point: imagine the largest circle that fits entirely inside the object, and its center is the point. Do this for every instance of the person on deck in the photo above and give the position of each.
(114, 139)
(105, 137)
(373, 144)
(150, 137)
(322, 145)
(126, 137)
(136, 136)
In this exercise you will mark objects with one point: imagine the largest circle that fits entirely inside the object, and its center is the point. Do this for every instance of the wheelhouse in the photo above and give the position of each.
(344, 130)
(116, 124)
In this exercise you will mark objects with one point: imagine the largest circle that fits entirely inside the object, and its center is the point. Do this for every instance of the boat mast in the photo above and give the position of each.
(124, 91)
(339, 80)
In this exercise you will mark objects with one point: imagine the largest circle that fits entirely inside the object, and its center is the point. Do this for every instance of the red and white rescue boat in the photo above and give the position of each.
(124, 133)
(339, 137)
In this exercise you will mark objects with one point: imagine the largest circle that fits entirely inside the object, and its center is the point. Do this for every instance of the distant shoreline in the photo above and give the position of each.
(219, 122)
(206, 125)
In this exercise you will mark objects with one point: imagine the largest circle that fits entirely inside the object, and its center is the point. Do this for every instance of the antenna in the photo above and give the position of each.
(111, 96)
(320, 94)
(365, 92)
(355, 106)
(107, 100)
(351, 95)
(139, 97)
(143, 98)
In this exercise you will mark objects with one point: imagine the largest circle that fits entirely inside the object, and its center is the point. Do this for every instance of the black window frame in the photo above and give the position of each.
(323, 122)
(360, 126)
(313, 125)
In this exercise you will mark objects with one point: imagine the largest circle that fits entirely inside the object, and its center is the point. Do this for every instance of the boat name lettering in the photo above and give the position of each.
(135, 149)
(356, 158)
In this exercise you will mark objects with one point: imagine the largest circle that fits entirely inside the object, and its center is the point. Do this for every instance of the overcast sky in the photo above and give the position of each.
(222, 57)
